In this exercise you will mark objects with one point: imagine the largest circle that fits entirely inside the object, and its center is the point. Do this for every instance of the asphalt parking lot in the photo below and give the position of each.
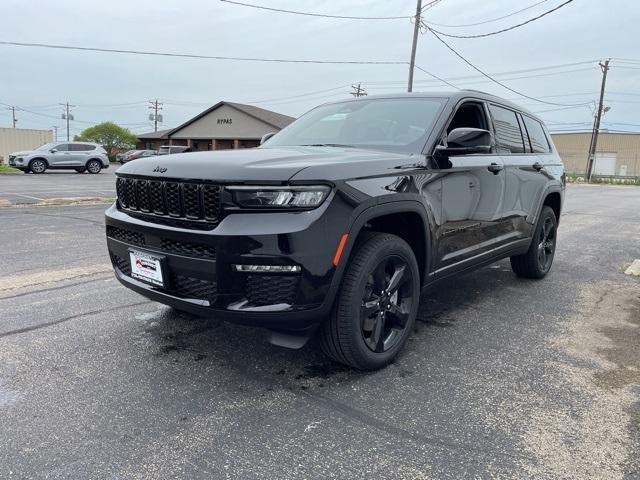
(503, 377)
(24, 189)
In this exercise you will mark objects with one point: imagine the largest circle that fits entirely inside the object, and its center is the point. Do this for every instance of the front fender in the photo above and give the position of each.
(364, 214)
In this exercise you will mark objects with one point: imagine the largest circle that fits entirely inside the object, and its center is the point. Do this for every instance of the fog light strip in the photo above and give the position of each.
(336, 257)
(267, 268)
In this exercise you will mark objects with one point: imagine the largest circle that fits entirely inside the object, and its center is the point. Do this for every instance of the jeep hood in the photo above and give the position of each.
(270, 164)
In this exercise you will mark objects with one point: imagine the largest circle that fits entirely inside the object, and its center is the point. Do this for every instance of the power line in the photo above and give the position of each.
(193, 55)
(487, 21)
(436, 77)
(510, 72)
(300, 95)
(504, 29)
(490, 77)
(309, 14)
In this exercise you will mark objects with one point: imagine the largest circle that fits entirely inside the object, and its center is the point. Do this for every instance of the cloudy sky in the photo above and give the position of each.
(541, 59)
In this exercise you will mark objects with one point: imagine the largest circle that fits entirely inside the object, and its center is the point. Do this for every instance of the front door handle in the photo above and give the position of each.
(538, 166)
(495, 168)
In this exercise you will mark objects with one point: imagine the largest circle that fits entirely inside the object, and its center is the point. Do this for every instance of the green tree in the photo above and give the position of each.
(109, 135)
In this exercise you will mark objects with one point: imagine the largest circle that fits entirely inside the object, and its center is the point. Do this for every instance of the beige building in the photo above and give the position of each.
(225, 125)
(617, 154)
(16, 139)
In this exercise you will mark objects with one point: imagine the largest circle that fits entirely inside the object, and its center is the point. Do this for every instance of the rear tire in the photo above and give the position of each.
(376, 308)
(94, 166)
(38, 166)
(537, 262)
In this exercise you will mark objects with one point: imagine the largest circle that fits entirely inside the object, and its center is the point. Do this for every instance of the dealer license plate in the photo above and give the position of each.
(146, 267)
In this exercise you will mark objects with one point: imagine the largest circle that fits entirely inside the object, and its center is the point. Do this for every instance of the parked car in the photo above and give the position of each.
(135, 154)
(339, 221)
(168, 149)
(78, 156)
(120, 156)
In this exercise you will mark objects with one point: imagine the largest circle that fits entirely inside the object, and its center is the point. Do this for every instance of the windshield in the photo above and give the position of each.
(396, 124)
(46, 146)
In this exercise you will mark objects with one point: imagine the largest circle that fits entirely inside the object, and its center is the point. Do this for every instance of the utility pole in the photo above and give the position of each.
(596, 127)
(155, 106)
(414, 46)
(13, 115)
(67, 116)
(358, 91)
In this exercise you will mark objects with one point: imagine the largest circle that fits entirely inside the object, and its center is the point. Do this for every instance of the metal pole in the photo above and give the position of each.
(155, 116)
(67, 104)
(414, 46)
(594, 143)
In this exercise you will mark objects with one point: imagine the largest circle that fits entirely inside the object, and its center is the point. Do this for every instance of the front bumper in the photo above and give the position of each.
(17, 162)
(199, 273)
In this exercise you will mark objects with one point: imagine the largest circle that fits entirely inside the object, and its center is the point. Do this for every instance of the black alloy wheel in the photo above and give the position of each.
(386, 304)
(537, 261)
(546, 244)
(377, 304)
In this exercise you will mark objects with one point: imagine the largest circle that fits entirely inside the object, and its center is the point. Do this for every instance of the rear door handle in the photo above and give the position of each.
(538, 166)
(495, 168)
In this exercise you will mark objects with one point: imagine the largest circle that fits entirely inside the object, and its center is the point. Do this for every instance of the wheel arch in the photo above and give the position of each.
(553, 197)
(554, 200)
(405, 219)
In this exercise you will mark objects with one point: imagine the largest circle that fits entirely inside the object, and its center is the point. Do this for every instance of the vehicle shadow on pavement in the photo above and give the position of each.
(182, 338)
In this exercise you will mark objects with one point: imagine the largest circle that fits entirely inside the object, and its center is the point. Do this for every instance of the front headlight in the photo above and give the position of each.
(299, 197)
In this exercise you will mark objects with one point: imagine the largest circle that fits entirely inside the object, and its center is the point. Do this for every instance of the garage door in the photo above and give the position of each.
(605, 163)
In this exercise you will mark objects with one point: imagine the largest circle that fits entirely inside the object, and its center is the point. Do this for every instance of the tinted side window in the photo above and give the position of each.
(62, 147)
(525, 135)
(77, 147)
(508, 134)
(537, 137)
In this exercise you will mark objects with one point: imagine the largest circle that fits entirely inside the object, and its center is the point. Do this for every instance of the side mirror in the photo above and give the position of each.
(53, 150)
(266, 137)
(465, 141)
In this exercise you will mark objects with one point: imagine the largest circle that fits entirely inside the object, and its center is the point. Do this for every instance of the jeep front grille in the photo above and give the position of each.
(169, 199)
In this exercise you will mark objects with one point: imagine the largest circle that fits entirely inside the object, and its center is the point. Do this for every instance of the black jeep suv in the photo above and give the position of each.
(341, 219)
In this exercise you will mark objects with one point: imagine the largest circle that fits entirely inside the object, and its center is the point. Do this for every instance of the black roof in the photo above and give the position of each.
(453, 95)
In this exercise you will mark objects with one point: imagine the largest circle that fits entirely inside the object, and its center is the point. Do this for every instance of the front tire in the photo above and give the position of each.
(537, 262)
(377, 305)
(38, 166)
(94, 166)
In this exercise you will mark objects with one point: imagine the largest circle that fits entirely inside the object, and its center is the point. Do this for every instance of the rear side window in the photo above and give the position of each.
(537, 137)
(508, 134)
(78, 147)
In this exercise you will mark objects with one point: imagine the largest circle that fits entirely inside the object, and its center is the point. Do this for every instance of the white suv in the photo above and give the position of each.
(79, 156)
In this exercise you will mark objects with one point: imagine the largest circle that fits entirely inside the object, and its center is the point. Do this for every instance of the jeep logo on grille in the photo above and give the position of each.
(159, 169)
